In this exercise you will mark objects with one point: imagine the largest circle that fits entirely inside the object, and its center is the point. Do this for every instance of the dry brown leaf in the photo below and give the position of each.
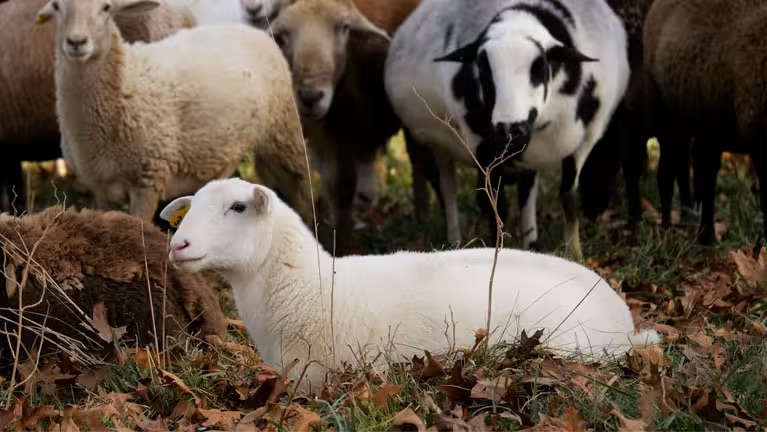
(492, 389)
(387, 392)
(719, 356)
(171, 378)
(247, 352)
(227, 420)
(100, 324)
(426, 369)
(671, 334)
(407, 417)
(67, 423)
(183, 410)
(294, 418)
(754, 271)
(629, 425)
(238, 324)
(92, 379)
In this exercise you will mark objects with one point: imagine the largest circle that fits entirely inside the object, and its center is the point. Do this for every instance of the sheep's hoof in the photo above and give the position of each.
(535, 246)
(706, 236)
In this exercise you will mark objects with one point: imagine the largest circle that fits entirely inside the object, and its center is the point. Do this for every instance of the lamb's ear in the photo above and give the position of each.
(464, 54)
(176, 210)
(360, 23)
(566, 54)
(261, 202)
(134, 7)
(45, 13)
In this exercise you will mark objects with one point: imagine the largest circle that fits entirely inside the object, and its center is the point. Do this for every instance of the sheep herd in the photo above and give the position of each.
(157, 101)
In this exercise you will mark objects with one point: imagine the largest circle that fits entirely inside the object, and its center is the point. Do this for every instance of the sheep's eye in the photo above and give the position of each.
(106, 7)
(538, 72)
(344, 28)
(238, 207)
(55, 6)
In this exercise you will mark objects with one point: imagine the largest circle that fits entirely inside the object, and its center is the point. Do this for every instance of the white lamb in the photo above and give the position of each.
(542, 75)
(144, 122)
(403, 300)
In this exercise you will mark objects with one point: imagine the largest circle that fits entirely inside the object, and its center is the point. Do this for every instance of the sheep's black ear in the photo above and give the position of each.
(566, 54)
(176, 210)
(464, 54)
(261, 201)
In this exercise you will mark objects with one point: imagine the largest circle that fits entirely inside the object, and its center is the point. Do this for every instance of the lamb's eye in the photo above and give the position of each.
(538, 72)
(344, 28)
(55, 6)
(238, 207)
(106, 7)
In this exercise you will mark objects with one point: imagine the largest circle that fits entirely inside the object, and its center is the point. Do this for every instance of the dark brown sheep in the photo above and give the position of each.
(708, 85)
(98, 257)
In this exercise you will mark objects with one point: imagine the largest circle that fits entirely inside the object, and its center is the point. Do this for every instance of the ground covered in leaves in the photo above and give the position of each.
(711, 372)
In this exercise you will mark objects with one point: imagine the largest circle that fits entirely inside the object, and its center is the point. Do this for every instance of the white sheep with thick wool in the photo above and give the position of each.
(542, 75)
(143, 122)
(405, 300)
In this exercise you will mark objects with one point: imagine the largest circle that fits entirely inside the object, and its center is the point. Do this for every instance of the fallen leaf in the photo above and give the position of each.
(11, 414)
(294, 418)
(387, 393)
(426, 369)
(100, 324)
(459, 388)
(171, 378)
(492, 389)
(629, 425)
(67, 423)
(754, 271)
(226, 420)
(409, 419)
(671, 334)
(92, 379)
(238, 324)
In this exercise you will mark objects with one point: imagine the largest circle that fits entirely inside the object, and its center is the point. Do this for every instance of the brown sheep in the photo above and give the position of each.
(705, 84)
(337, 50)
(28, 125)
(98, 257)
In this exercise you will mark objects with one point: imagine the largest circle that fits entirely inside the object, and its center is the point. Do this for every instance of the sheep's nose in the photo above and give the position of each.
(254, 11)
(309, 98)
(76, 41)
(179, 246)
(512, 130)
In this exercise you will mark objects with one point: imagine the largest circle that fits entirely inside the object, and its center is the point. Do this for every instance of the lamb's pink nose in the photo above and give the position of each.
(179, 246)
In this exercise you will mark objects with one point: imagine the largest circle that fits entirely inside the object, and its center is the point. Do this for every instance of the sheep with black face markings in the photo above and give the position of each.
(281, 282)
(541, 75)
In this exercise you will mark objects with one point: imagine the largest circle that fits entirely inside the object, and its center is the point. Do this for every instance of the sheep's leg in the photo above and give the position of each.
(486, 205)
(568, 198)
(527, 195)
(447, 184)
(682, 174)
(143, 202)
(665, 177)
(707, 161)
(633, 165)
(12, 181)
(345, 188)
(424, 169)
(758, 164)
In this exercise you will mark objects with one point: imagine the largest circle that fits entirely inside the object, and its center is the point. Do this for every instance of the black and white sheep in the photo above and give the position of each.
(540, 75)
(706, 85)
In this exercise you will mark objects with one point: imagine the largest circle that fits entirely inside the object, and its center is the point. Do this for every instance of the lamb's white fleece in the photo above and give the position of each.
(412, 299)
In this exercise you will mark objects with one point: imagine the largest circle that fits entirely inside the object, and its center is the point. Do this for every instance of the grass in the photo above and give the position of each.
(712, 372)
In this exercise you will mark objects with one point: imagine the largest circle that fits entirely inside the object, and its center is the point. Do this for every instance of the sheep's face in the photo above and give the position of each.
(85, 27)
(314, 37)
(261, 13)
(512, 73)
(227, 226)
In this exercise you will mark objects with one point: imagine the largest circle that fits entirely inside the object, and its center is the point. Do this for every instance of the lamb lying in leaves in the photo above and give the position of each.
(85, 262)
(405, 301)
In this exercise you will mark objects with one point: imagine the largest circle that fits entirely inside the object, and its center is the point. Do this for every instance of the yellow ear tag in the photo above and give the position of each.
(178, 216)
(42, 19)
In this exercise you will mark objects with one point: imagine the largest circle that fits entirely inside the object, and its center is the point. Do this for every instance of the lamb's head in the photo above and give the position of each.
(507, 74)
(85, 28)
(261, 13)
(314, 37)
(226, 226)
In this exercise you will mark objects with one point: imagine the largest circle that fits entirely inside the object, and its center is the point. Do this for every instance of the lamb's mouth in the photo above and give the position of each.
(187, 260)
